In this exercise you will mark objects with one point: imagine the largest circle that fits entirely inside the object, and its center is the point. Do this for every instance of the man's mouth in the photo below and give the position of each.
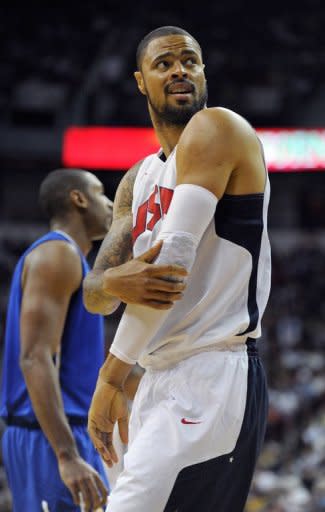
(180, 89)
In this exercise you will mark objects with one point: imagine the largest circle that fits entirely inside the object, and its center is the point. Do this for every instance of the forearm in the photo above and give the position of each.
(95, 298)
(44, 391)
(181, 233)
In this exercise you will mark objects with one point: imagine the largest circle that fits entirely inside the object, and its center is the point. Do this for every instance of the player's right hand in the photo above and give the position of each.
(82, 480)
(108, 406)
(140, 282)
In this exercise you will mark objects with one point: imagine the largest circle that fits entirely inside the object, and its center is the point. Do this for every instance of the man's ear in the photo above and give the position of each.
(139, 78)
(78, 198)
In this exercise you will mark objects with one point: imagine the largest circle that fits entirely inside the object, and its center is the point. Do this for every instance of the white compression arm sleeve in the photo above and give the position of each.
(188, 217)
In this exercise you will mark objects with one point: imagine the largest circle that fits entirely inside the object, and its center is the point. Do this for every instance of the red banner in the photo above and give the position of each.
(107, 148)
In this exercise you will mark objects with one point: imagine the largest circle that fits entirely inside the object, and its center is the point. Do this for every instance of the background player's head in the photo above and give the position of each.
(68, 195)
(171, 75)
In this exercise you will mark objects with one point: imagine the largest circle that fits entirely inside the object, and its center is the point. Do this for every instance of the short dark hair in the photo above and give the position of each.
(55, 189)
(167, 30)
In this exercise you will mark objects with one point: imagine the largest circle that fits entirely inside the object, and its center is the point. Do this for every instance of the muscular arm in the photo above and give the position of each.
(219, 151)
(52, 273)
(115, 249)
(116, 276)
(214, 144)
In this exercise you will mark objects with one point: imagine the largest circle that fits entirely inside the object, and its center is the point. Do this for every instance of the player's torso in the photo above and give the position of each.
(152, 194)
(229, 284)
(81, 342)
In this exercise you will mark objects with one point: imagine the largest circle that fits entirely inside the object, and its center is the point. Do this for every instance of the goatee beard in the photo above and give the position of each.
(179, 116)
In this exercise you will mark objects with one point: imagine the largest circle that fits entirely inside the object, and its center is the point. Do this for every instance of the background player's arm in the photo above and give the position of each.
(114, 278)
(51, 275)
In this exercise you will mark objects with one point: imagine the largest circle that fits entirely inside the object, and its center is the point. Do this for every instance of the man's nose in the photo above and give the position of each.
(179, 70)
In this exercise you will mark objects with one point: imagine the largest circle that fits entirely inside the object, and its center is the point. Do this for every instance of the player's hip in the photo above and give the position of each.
(208, 390)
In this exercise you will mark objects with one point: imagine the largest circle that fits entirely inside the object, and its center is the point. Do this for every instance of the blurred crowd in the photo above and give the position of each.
(291, 471)
(64, 63)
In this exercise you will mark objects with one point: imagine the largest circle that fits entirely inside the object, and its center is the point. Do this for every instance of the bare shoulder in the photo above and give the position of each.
(220, 134)
(124, 193)
(57, 262)
(216, 144)
(219, 121)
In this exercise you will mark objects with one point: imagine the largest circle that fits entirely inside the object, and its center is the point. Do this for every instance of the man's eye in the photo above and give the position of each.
(163, 64)
(190, 61)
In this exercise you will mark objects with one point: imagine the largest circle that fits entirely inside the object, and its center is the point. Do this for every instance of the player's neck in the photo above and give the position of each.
(75, 231)
(167, 134)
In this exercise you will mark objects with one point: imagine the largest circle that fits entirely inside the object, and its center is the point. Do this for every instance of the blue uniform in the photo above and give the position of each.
(29, 460)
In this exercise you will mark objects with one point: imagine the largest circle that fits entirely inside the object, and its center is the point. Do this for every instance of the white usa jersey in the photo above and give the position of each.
(229, 284)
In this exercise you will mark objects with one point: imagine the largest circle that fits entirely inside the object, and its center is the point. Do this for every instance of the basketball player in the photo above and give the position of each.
(53, 351)
(199, 414)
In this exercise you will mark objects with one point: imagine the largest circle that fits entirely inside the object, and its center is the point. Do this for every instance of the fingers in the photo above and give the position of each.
(150, 255)
(123, 430)
(74, 489)
(92, 493)
(104, 445)
(167, 271)
(158, 305)
(89, 493)
(101, 487)
(85, 497)
(165, 286)
(107, 453)
(162, 296)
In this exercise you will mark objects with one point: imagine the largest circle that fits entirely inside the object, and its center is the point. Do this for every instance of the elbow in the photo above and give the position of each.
(99, 307)
(28, 359)
(90, 305)
(87, 297)
(95, 301)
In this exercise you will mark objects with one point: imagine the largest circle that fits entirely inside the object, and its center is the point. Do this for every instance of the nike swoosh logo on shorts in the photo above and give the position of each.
(189, 422)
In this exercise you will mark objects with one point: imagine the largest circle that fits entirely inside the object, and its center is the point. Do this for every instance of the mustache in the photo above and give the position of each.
(179, 81)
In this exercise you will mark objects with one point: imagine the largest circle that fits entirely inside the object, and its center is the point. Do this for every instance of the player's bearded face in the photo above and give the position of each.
(179, 112)
(173, 80)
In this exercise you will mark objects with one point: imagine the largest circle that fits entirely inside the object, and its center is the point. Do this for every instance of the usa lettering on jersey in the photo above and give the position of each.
(151, 211)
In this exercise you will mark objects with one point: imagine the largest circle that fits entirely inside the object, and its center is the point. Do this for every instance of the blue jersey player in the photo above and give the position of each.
(53, 351)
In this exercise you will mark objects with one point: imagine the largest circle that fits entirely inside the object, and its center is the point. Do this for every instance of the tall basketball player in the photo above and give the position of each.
(200, 206)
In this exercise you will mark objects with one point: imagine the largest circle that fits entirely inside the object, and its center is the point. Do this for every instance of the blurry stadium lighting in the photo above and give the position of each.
(110, 148)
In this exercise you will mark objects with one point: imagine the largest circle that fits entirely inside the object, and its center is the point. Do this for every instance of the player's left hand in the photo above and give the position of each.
(109, 405)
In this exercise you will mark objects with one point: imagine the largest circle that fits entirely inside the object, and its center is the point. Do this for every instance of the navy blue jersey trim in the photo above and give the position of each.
(239, 219)
(162, 156)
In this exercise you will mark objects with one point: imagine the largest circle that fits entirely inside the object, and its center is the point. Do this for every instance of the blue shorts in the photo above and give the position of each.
(32, 469)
